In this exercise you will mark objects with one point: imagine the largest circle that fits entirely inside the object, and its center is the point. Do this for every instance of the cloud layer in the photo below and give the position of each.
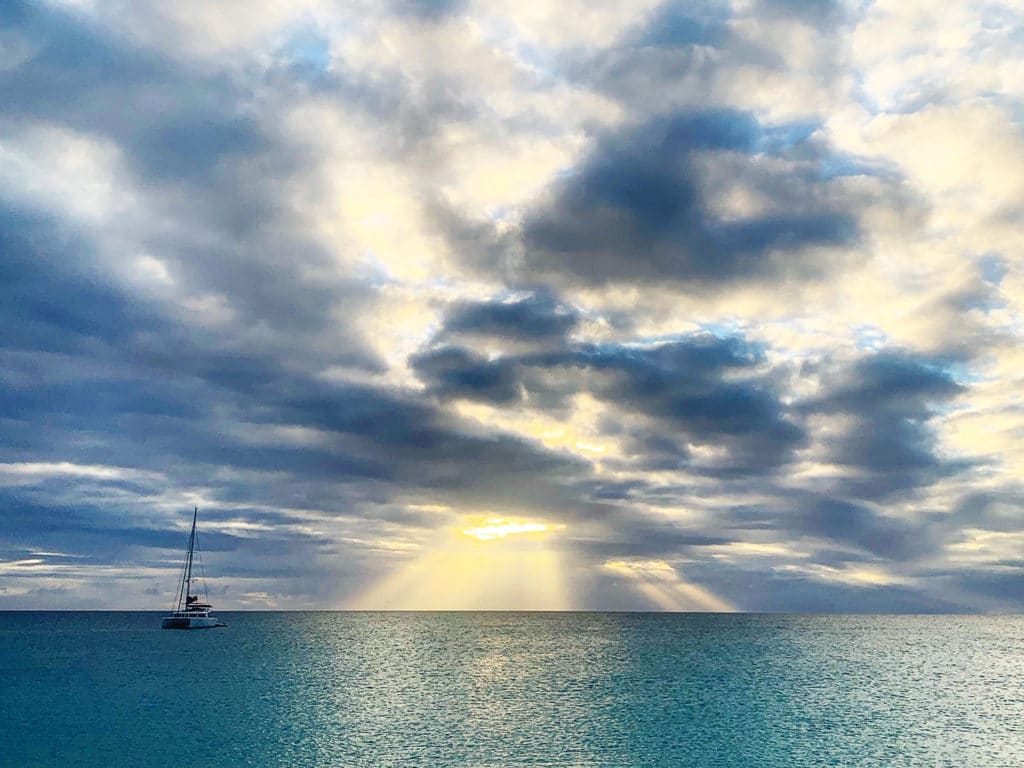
(714, 305)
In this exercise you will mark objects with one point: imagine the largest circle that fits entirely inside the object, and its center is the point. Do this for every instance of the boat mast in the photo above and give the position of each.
(186, 583)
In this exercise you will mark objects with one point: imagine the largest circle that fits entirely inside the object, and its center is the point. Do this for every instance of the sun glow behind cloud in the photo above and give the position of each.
(486, 563)
(498, 528)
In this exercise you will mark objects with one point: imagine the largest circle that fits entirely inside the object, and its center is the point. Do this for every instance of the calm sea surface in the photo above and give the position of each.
(512, 689)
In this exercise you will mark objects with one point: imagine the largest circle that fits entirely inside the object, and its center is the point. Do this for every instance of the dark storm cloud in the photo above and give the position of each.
(457, 372)
(996, 510)
(886, 450)
(641, 208)
(688, 385)
(537, 316)
(889, 400)
(192, 139)
(54, 303)
(636, 211)
(633, 535)
(138, 390)
(82, 353)
(104, 533)
(366, 434)
(656, 452)
(192, 145)
(95, 374)
(687, 388)
(891, 380)
(856, 525)
(172, 122)
(423, 446)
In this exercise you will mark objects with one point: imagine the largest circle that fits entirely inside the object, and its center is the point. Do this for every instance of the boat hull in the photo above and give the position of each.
(190, 622)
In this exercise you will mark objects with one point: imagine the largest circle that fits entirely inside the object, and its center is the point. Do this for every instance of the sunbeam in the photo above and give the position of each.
(485, 563)
(662, 584)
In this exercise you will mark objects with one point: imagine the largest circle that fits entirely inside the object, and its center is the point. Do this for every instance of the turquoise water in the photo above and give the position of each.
(512, 689)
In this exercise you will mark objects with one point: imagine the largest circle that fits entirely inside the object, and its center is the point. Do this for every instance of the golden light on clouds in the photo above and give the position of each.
(579, 433)
(664, 586)
(850, 575)
(498, 528)
(483, 563)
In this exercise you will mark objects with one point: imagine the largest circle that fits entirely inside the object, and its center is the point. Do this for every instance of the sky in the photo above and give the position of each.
(446, 304)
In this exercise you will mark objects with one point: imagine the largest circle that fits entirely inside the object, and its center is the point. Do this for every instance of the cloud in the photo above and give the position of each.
(702, 198)
(688, 391)
(169, 120)
(856, 525)
(888, 403)
(726, 294)
(457, 372)
(430, 9)
(536, 316)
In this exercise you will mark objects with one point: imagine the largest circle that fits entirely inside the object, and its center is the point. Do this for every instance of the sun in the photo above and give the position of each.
(499, 527)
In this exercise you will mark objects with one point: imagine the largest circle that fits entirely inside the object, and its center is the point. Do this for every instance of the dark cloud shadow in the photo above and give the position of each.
(636, 211)
(888, 401)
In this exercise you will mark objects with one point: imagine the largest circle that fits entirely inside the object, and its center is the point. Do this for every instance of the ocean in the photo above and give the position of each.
(490, 690)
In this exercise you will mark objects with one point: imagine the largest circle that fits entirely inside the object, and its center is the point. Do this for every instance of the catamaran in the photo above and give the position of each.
(190, 612)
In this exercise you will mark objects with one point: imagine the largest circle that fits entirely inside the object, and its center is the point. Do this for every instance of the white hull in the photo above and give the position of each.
(190, 622)
(192, 612)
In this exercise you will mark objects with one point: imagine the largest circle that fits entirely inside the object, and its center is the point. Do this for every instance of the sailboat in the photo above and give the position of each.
(190, 612)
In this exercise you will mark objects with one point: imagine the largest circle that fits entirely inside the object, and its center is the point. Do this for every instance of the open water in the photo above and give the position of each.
(512, 689)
